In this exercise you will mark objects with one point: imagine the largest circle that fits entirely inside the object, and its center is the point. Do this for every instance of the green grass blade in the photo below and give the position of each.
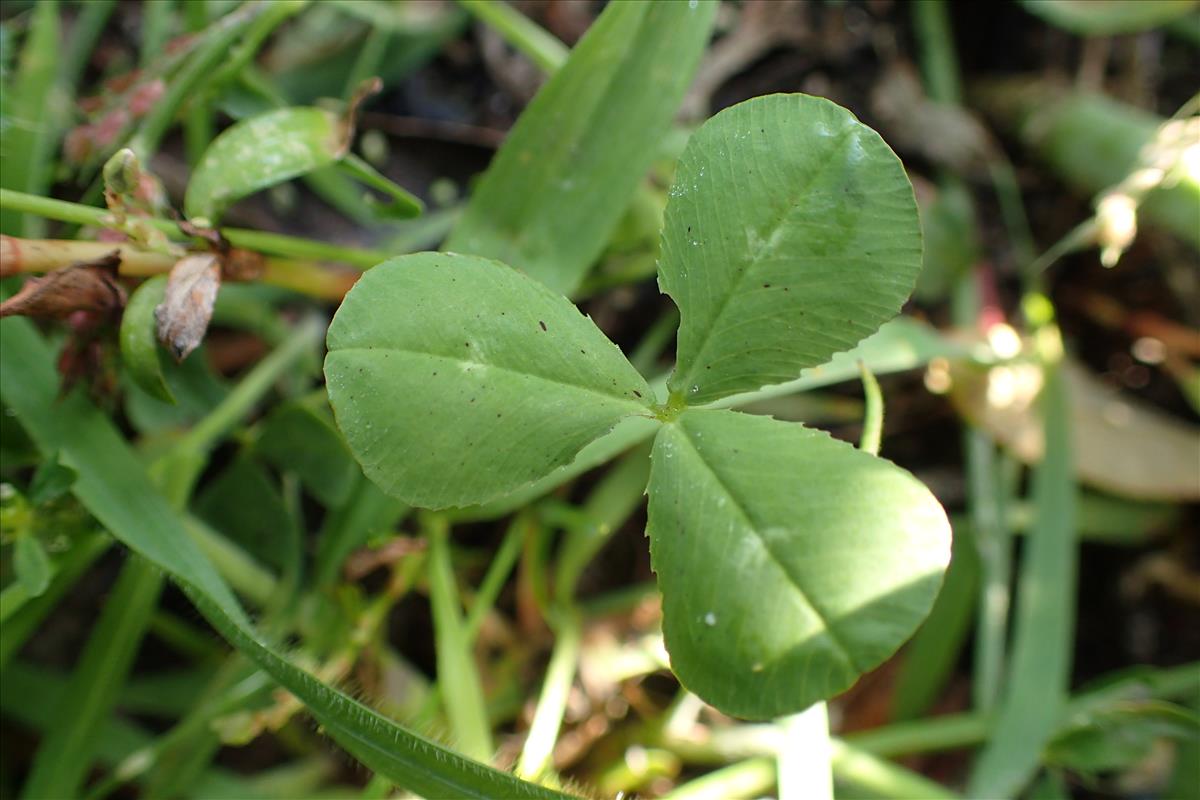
(1040, 667)
(201, 68)
(458, 677)
(521, 32)
(179, 755)
(28, 115)
(872, 429)
(564, 159)
(1185, 777)
(930, 657)
(116, 738)
(155, 29)
(114, 486)
(750, 778)
(537, 754)
(501, 566)
(66, 753)
(21, 615)
(986, 503)
(881, 778)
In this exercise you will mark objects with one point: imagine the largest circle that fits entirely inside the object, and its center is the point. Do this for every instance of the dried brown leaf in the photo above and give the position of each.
(90, 286)
(1120, 444)
(348, 121)
(183, 316)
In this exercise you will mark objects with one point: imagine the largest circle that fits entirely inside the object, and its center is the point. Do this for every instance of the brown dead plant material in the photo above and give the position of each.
(86, 286)
(183, 317)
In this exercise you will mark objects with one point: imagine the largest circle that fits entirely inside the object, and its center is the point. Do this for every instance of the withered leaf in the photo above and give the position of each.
(1120, 445)
(364, 90)
(88, 286)
(187, 306)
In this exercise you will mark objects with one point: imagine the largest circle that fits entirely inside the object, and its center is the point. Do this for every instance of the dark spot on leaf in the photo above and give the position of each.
(766, 286)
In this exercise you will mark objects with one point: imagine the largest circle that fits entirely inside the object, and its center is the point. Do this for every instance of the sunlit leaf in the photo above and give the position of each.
(791, 233)
(789, 562)
(456, 379)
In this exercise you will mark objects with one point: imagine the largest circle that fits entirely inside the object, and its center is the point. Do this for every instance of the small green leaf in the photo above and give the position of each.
(260, 152)
(791, 233)
(32, 565)
(139, 342)
(1118, 738)
(277, 146)
(456, 379)
(790, 563)
(558, 187)
(52, 480)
